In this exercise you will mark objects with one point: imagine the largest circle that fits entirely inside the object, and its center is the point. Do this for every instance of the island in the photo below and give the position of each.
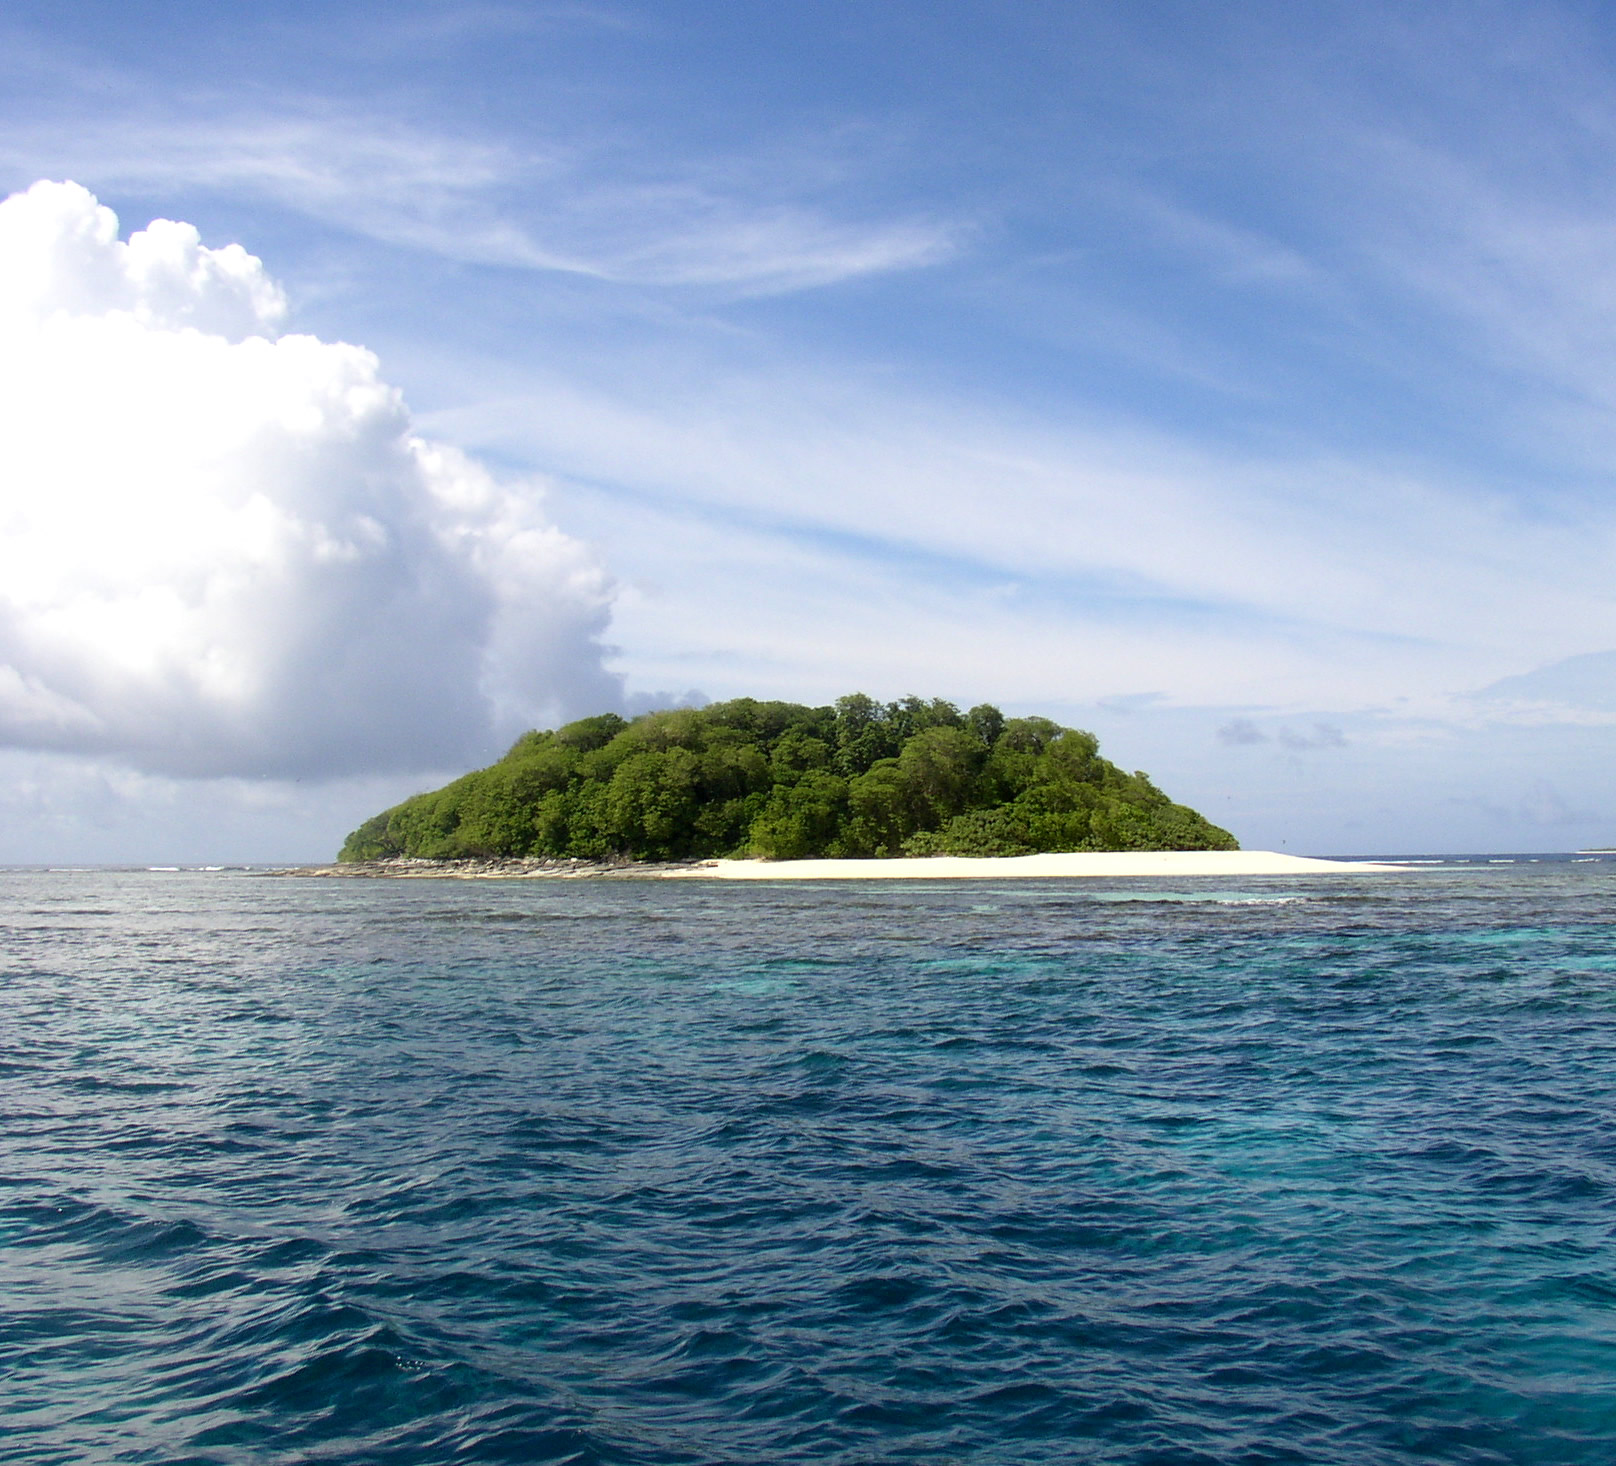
(781, 782)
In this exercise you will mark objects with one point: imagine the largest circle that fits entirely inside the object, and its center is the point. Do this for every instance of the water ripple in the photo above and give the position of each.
(650, 1172)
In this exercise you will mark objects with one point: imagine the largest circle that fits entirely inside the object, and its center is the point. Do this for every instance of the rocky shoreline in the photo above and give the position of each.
(514, 868)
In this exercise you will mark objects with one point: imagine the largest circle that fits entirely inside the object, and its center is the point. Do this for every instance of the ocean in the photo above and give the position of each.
(1300, 1170)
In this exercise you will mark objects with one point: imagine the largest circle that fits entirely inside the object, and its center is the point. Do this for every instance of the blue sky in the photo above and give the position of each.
(1235, 381)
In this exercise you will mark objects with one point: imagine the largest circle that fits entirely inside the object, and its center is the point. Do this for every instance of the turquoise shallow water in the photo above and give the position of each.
(426, 1172)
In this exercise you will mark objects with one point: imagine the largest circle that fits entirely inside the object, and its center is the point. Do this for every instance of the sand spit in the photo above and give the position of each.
(1125, 863)
(1128, 864)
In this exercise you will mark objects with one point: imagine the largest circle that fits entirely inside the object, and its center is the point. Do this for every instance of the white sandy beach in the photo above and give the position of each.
(1126, 863)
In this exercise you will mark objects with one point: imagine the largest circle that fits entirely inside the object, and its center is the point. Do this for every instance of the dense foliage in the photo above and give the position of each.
(787, 782)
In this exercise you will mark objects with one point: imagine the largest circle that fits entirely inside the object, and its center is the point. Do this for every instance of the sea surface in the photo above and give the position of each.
(1300, 1170)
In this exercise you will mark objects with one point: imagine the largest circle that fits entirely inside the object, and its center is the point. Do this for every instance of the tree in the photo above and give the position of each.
(802, 819)
(651, 804)
(590, 733)
(985, 723)
(861, 778)
(882, 811)
(939, 765)
(864, 735)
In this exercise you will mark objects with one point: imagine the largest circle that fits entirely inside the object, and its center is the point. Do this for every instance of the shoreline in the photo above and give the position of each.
(1074, 865)
(514, 868)
(1125, 864)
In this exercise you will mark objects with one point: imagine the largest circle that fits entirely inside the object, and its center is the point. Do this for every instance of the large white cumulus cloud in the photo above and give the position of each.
(222, 549)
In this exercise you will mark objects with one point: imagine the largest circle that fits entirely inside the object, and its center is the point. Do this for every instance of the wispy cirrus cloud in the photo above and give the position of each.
(567, 207)
(1237, 254)
(1355, 578)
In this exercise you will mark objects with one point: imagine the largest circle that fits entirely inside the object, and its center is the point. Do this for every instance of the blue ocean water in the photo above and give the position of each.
(1312, 1170)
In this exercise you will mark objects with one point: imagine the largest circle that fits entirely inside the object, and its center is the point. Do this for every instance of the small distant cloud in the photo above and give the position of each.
(1324, 735)
(1241, 733)
(1543, 804)
(1131, 702)
(656, 702)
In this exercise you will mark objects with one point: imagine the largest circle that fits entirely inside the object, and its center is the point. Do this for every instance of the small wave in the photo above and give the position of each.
(1198, 898)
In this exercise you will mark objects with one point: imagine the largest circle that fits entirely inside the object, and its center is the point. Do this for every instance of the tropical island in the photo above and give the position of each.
(779, 781)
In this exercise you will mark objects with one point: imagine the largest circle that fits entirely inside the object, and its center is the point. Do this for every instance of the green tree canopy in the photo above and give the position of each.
(782, 781)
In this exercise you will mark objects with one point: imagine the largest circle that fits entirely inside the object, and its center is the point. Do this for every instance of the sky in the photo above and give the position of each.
(377, 381)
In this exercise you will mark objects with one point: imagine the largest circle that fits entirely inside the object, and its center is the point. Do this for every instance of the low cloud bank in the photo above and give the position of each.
(223, 551)
(1576, 690)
